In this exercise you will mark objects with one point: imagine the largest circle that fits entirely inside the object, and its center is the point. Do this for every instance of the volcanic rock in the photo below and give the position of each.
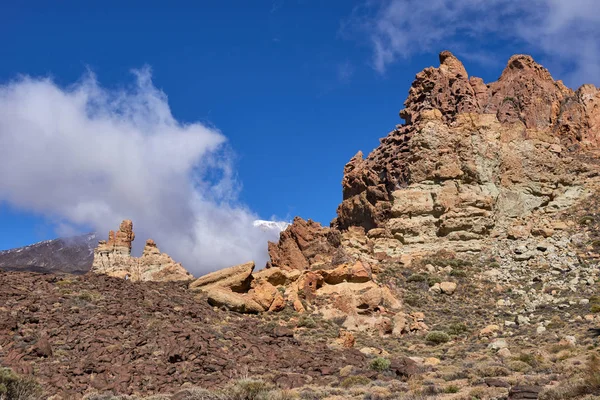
(236, 278)
(113, 258)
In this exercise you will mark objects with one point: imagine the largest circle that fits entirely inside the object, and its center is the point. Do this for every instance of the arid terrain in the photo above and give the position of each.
(462, 264)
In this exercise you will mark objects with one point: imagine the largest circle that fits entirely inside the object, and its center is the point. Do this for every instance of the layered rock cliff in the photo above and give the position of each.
(472, 161)
(113, 258)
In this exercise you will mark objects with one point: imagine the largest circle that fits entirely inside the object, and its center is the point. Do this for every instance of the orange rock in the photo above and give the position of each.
(346, 339)
(278, 303)
(264, 294)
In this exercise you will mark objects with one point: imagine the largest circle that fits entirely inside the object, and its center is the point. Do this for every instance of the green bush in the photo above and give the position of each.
(437, 337)
(456, 329)
(451, 389)
(380, 364)
(356, 380)
(15, 387)
(433, 279)
(459, 273)
(417, 278)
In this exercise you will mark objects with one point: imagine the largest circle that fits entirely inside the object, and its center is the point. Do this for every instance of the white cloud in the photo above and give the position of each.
(86, 155)
(564, 32)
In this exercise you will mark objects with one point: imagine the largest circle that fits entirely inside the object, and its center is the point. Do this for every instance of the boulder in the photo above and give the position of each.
(265, 294)
(223, 297)
(490, 330)
(355, 273)
(448, 287)
(277, 276)
(236, 278)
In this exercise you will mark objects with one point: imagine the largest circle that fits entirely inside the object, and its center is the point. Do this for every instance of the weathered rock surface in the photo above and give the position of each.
(237, 278)
(471, 156)
(113, 258)
(302, 245)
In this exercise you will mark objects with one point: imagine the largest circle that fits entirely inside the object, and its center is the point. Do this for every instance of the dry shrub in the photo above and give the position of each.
(15, 387)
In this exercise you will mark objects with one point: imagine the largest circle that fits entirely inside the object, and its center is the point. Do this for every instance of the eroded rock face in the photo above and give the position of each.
(473, 161)
(303, 245)
(113, 258)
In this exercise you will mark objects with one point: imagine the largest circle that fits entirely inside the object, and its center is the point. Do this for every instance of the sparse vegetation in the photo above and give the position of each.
(306, 322)
(458, 273)
(433, 279)
(586, 220)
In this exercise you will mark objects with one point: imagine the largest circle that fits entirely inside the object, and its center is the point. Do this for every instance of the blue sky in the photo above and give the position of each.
(295, 88)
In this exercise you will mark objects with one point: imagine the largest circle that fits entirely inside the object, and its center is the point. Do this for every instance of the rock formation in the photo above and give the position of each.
(472, 162)
(514, 137)
(346, 293)
(473, 168)
(113, 258)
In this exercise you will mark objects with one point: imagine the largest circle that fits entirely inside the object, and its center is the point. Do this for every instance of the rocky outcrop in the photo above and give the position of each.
(474, 161)
(113, 258)
(303, 245)
(460, 130)
(474, 167)
(346, 293)
(237, 278)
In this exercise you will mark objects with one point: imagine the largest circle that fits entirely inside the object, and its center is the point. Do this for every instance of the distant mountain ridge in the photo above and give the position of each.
(72, 255)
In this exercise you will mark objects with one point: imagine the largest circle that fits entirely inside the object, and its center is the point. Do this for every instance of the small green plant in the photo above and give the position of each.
(437, 337)
(64, 282)
(457, 328)
(529, 359)
(356, 380)
(556, 322)
(433, 279)
(85, 296)
(586, 220)
(417, 278)
(413, 300)
(451, 389)
(458, 273)
(380, 364)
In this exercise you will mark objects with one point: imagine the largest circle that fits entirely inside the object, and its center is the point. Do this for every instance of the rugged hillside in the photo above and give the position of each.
(78, 334)
(480, 214)
(73, 255)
